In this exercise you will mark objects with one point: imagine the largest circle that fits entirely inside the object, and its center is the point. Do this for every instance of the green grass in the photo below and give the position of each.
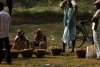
(66, 59)
(55, 29)
(37, 12)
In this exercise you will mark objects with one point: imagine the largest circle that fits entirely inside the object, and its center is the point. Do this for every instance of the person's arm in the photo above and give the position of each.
(34, 38)
(45, 38)
(95, 17)
(9, 23)
(75, 6)
(63, 4)
(95, 20)
(16, 37)
(26, 37)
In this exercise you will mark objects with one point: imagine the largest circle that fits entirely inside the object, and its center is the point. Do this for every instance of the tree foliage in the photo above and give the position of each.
(45, 3)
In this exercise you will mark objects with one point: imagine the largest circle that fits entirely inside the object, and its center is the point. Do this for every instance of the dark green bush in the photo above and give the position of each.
(36, 14)
(84, 7)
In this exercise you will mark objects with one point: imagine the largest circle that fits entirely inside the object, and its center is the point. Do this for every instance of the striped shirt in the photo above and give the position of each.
(5, 24)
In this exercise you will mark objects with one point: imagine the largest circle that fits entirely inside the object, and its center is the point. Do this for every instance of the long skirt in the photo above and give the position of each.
(96, 37)
(69, 35)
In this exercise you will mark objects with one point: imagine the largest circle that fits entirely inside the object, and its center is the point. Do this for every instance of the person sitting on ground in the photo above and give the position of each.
(21, 41)
(39, 40)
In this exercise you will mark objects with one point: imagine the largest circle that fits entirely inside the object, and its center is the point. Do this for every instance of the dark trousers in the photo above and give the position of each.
(5, 41)
(10, 5)
(73, 45)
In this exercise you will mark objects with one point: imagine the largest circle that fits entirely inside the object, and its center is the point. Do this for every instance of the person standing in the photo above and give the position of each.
(96, 28)
(5, 24)
(70, 11)
(10, 5)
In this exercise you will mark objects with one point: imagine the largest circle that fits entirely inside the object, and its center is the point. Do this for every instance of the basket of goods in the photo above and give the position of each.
(27, 53)
(55, 50)
(14, 53)
(81, 53)
(40, 52)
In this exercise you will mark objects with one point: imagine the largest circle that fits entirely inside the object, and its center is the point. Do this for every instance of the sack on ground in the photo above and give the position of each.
(90, 52)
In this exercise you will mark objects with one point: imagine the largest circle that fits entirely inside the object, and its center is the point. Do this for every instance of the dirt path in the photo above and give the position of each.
(45, 19)
(37, 20)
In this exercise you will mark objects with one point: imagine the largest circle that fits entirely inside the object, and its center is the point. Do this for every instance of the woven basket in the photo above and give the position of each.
(55, 52)
(27, 53)
(40, 52)
(14, 53)
(81, 53)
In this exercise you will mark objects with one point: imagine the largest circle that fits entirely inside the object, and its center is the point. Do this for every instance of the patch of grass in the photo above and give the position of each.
(37, 12)
(55, 29)
(66, 59)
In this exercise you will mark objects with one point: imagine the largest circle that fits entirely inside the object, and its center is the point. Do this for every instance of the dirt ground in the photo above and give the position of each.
(37, 20)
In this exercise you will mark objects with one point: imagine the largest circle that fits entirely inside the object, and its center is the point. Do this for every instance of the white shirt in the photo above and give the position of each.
(97, 15)
(5, 24)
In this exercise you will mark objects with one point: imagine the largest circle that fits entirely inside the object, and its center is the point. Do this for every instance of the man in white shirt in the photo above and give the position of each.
(96, 28)
(5, 24)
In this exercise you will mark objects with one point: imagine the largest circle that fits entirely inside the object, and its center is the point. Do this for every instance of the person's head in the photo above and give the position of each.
(97, 4)
(39, 32)
(1, 6)
(66, 2)
(19, 32)
(69, 3)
